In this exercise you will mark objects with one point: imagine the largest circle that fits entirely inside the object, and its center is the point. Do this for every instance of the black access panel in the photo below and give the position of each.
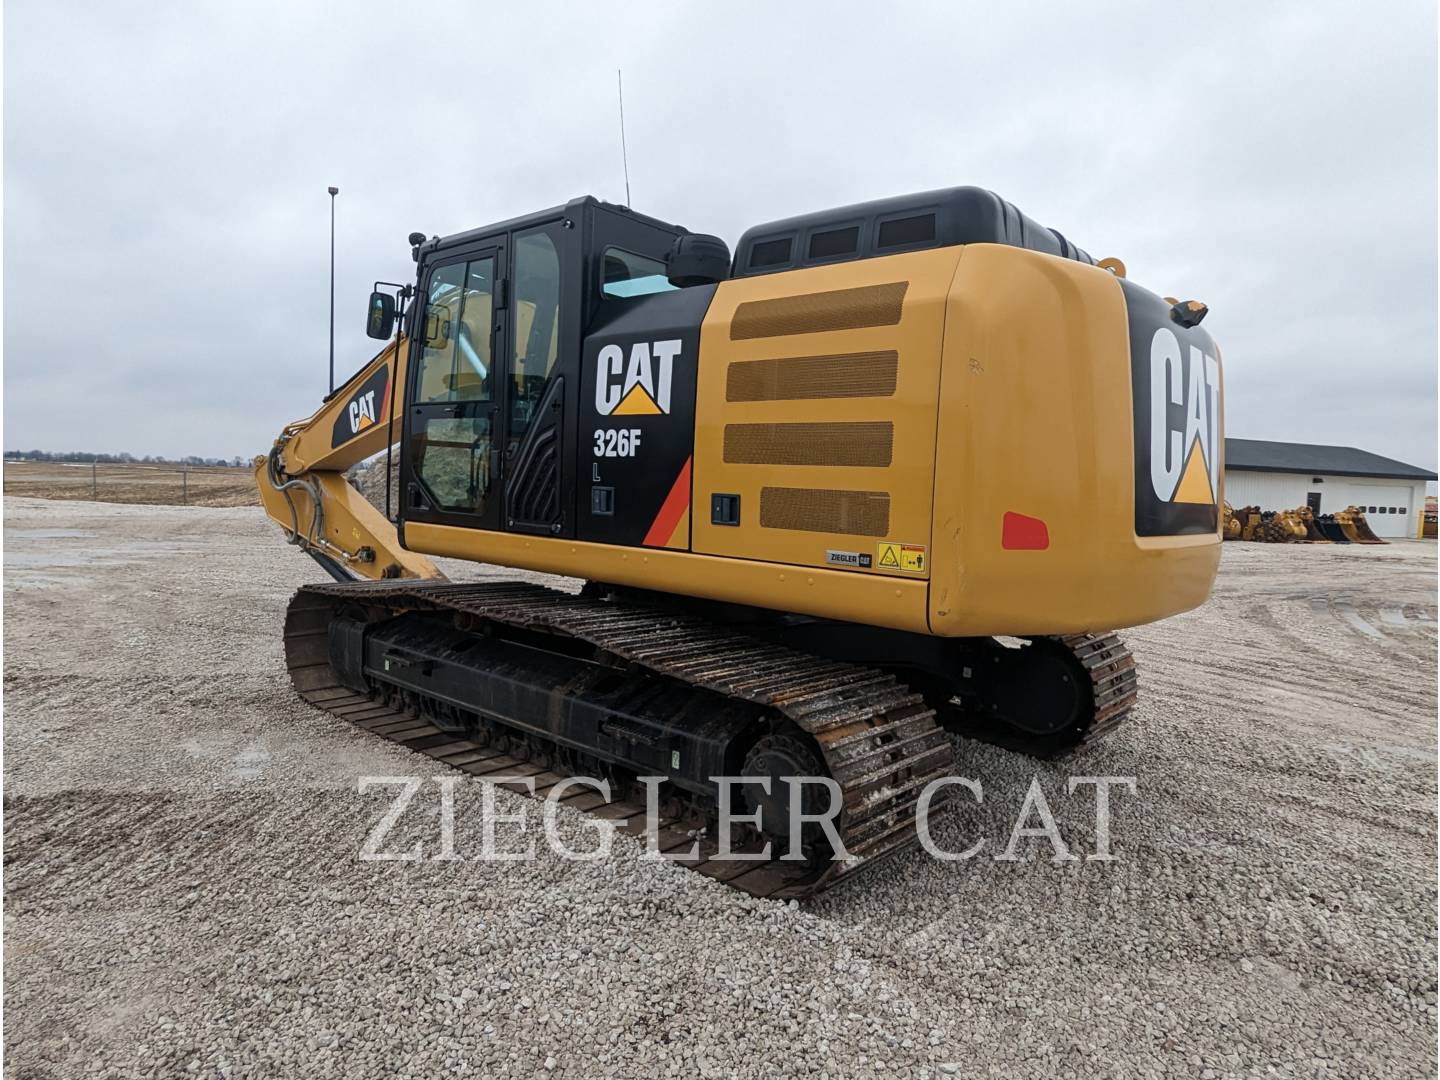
(637, 417)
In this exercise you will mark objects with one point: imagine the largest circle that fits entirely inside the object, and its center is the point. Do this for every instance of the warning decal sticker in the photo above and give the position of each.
(908, 557)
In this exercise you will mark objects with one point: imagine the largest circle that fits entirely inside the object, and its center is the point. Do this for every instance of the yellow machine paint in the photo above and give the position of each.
(868, 411)
(1035, 419)
(1004, 361)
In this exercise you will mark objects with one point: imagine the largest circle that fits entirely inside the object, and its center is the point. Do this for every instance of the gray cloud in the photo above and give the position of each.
(166, 225)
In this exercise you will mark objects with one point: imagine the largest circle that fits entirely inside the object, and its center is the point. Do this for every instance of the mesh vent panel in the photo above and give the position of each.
(810, 313)
(845, 375)
(868, 442)
(857, 513)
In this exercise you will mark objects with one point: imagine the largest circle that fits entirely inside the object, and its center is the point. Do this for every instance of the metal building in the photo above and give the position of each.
(1282, 476)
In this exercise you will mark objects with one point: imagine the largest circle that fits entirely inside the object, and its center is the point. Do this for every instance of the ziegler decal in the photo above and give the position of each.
(364, 408)
(1176, 380)
(639, 386)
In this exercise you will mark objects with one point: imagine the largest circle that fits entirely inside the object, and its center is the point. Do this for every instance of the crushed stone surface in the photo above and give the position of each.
(184, 896)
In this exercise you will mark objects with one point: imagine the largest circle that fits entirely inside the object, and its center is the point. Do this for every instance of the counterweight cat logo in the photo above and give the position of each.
(1176, 380)
(1182, 454)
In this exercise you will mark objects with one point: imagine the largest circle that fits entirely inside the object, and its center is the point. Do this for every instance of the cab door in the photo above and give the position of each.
(540, 382)
(451, 456)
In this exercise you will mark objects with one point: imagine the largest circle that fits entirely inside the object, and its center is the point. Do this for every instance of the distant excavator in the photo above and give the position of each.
(893, 468)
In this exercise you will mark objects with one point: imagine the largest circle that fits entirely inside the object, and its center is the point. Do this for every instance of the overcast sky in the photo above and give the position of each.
(166, 221)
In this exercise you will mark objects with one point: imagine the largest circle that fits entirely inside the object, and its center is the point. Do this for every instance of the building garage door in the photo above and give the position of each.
(1387, 508)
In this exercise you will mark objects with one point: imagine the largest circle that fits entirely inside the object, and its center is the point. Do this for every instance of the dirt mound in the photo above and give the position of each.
(369, 479)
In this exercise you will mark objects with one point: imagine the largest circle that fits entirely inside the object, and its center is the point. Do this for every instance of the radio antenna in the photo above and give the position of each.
(624, 157)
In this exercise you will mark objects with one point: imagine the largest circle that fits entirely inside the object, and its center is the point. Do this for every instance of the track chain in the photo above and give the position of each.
(1114, 680)
(878, 739)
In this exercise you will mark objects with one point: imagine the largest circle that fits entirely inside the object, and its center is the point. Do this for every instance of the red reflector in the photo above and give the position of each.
(1021, 533)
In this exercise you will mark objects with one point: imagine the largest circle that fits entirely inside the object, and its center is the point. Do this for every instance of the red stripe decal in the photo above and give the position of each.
(671, 510)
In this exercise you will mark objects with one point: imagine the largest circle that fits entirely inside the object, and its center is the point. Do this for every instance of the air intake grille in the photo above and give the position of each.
(858, 513)
(868, 442)
(811, 313)
(869, 374)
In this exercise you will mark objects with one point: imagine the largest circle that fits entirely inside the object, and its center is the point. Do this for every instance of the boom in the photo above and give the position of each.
(302, 479)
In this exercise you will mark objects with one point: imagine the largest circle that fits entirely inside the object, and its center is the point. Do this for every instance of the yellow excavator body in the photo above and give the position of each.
(988, 475)
(895, 466)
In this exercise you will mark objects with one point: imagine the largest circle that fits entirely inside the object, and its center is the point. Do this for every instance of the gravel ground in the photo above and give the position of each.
(184, 897)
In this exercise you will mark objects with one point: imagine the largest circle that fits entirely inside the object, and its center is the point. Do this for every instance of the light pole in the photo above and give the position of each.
(333, 192)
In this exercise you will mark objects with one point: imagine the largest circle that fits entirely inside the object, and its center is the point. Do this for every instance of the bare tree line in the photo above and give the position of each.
(87, 458)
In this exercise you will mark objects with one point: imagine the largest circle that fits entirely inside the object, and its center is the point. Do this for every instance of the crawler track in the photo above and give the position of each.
(1100, 666)
(878, 739)
(1114, 680)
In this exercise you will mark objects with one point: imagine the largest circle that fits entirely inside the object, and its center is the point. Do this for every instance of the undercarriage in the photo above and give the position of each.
(537, 685)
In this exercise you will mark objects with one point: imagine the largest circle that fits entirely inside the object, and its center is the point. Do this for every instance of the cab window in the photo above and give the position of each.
(456, 359)
(452, 452)
(537, 324)
(623, 273)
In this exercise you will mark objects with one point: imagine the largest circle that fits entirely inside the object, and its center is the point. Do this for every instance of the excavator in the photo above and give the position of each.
(888, 473)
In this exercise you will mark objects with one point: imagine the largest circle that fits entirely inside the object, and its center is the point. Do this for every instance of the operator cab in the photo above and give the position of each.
(496, 336)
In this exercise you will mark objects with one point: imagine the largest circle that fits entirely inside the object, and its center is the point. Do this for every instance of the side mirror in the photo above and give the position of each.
(380, 323)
